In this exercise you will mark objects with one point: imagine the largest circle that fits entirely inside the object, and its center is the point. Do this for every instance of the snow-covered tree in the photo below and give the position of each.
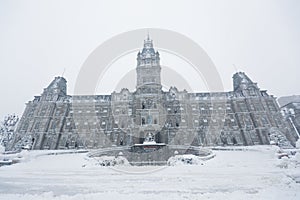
(278, 138)
(2, 149)
(7, 127)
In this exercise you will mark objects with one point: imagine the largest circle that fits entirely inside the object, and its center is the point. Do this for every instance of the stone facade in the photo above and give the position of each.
(244, 116)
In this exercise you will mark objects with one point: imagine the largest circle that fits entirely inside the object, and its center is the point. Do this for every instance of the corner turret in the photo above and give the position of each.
(56, 89)
(244, 85)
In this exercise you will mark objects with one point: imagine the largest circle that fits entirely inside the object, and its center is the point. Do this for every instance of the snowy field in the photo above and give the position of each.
(245, 173)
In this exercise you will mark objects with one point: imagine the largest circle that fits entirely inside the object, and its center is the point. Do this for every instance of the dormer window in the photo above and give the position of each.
(252, 92)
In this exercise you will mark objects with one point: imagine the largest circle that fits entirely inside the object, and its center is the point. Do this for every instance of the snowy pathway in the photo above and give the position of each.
(230, 175)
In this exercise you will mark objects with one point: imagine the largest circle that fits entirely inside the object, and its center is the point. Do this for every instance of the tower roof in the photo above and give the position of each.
(58, 85)
(148, 46)
(242, 81)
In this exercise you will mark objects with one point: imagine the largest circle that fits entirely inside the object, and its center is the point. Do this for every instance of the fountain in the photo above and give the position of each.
(148, 145)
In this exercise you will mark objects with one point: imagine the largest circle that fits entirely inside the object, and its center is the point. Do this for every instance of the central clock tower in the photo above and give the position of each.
(149, 113)
(148, 68)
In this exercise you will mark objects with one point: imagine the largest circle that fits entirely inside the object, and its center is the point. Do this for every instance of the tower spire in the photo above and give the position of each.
(148, 35)
(148, 42)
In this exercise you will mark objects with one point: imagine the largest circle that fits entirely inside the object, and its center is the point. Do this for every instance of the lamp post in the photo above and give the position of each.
(291, 120)
(290, 114)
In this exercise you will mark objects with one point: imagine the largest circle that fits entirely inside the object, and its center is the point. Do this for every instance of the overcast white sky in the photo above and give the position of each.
(38, 39)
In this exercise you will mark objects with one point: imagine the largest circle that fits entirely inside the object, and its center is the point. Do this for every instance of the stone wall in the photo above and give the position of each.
(55, 120)
(244, 116)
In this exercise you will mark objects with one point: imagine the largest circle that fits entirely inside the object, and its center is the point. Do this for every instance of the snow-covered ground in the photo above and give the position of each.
(245, 173)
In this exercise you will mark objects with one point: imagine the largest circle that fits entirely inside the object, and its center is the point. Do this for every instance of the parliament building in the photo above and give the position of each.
(244, 116)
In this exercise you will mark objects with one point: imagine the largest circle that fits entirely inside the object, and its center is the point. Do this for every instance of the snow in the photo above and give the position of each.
(234, 173)
(188, 159)
(298, 144)
(184, 160)
(149, 142)
(108, 161)
(2, 149)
